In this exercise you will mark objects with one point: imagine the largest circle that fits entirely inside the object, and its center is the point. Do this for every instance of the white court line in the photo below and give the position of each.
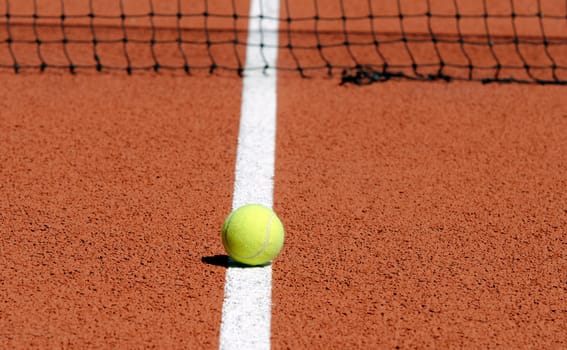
(246, 310)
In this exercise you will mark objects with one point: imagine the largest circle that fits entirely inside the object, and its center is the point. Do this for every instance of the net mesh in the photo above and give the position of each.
(363, 40)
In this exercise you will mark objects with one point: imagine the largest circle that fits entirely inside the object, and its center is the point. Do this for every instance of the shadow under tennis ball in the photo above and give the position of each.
(225, 261)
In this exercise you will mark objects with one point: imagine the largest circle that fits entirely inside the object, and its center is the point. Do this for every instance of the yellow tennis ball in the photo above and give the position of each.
(253, 235)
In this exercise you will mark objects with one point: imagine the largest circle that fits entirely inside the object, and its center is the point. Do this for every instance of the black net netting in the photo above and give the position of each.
(363, 40)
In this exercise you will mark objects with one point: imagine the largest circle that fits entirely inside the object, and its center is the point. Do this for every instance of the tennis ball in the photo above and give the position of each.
(253, 235)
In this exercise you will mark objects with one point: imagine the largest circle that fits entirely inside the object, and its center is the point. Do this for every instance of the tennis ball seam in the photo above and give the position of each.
(264, 246)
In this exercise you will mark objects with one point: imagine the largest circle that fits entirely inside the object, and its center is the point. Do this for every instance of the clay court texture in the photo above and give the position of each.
(419, 213)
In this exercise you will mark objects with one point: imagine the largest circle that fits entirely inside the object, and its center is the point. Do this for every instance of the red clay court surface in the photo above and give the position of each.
(417, 214)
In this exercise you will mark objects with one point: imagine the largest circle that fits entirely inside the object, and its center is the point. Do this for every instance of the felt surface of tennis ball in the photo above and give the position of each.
(253, 235)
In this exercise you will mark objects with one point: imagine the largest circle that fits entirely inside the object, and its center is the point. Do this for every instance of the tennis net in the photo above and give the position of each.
(362, 40)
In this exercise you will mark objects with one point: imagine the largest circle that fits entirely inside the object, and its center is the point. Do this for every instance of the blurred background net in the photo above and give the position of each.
(364, 40)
